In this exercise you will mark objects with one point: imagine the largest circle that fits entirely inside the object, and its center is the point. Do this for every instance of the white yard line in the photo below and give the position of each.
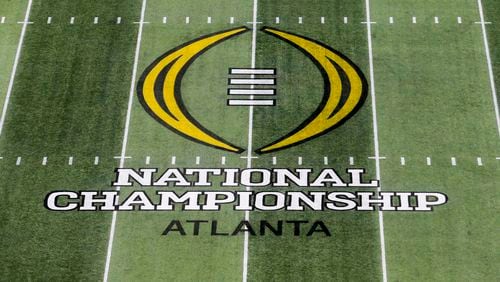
(250, 137)
(125, 136)
(375, 138)
(479, 161)
(490, 68)
(14, 67)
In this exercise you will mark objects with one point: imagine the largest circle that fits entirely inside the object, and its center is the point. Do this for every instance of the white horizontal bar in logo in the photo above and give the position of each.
(252, 71)
(252, 91)
(250, 102)
(255, 81)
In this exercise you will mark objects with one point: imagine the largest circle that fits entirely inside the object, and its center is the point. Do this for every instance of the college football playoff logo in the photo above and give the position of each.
(345, 89)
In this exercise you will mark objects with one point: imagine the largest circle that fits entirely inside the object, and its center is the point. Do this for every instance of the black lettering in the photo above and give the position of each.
(196, 226)
(214, 230)
(244, 226)
(174, 225)
(296, 226)
(319, 226)
(276, 231)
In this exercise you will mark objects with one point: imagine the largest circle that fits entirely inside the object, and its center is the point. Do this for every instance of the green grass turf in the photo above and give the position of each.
(434, 100)
(352, 253)
(140, 252)
(13, 11)
(491, 14)
(69, 99)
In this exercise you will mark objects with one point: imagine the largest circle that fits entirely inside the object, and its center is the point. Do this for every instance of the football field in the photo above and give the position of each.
(74, 110)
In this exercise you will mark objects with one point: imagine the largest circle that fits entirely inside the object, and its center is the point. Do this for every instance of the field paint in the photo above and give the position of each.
(277, 20)
(72, 20)
(252, 71)
(299, 160)
(209, 20)
(44, 161)
(235, 91)
(403, 161)
(96, 160)
(275, 161)
(96, 20)
(125, 136)
(49, 20)
(490, 68)
(223, 160)
(391, 20)
(172, 160)
(479, 161)
(322, 20)
(247, 81)
(375, 157)
(429, 161)
(251, 103)
(459, 20)
(164, 20)
(345, 20)
(231, 20)
(18, 161)
(375, 138)
(187, 20)
(414, 20)
(351, 160)
(14, 67)
(300, 20)
(118, 20)
(2, 20)
(325, 160)
(453, 161)
(250, 135)
(70, 161)
(197, 161)
(436, 20)
(120, 157)
(148, 160)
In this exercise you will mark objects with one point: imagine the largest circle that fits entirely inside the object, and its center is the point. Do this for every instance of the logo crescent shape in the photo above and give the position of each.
(345, 90)
(159, 89)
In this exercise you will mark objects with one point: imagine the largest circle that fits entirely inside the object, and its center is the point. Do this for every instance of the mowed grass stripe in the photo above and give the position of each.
(10, 33)
(490, 13)
(109, 252)
(69, 99)
(140, 251)
(489, 63)
(25, 23)
(353, 250)
(437, 102)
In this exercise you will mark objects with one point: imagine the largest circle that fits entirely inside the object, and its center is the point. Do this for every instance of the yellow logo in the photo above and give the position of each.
(345, 90)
